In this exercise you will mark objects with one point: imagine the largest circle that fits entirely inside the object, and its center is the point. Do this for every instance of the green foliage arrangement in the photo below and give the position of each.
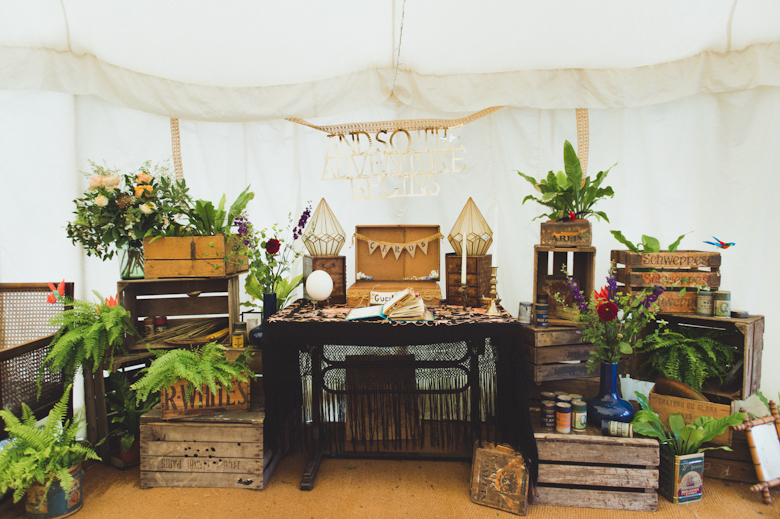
(206, 365)
(648, 243)
(566, 194)
(688, 355)
(41, 454)
(86, 333)
(127, 411)
(205, 220)
(681, 438)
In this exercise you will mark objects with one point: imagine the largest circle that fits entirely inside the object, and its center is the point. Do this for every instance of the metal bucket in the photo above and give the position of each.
(55, 503)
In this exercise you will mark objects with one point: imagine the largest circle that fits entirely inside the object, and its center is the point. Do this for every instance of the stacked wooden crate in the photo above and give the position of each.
(556, 353)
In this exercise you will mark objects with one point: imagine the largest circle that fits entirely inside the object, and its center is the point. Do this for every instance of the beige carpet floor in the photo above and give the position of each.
(364, 489)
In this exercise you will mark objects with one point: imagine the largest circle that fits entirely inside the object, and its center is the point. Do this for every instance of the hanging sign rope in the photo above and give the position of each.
(397, 248)
(389, 159)
(176, 145)
(583, 138)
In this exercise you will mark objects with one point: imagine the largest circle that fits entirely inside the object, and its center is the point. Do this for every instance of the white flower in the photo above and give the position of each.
(147, 208)
(101, 201)
(132, 235)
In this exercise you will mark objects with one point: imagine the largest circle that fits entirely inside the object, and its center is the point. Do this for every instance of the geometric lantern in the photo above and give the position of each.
(473, 226)
(324, 236)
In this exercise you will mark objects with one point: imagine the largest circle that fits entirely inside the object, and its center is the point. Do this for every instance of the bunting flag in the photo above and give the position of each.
(398, 248)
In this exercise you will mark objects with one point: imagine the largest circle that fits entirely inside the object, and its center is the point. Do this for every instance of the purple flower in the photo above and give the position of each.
(653, 297)
(576, 294)
(611, 287)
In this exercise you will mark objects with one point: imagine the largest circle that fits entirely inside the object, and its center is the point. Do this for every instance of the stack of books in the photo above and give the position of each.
(405, 305)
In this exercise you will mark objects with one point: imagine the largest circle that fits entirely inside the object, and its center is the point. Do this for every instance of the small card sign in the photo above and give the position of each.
(381, 298)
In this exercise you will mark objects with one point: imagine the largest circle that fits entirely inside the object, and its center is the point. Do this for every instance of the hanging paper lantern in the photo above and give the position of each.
(473, 226)
(324, 236)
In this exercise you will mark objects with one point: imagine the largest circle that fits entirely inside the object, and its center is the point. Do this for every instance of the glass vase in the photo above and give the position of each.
(607, 405)
(131, 263)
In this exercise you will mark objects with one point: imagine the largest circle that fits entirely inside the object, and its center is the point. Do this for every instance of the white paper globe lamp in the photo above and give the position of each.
(319, 286)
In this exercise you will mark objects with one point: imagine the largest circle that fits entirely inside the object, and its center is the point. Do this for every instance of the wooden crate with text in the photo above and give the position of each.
(477, 278)
(549, 279)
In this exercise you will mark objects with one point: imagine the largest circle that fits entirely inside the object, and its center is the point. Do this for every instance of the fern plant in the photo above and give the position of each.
(204, 366)
(41, 454)
(86, 332)
(688, 355)
(122, 401)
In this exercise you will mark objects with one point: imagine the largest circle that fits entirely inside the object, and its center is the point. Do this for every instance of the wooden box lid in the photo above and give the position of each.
(405, 267)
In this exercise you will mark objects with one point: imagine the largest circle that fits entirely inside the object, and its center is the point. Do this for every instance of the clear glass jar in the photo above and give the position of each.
(131, 263)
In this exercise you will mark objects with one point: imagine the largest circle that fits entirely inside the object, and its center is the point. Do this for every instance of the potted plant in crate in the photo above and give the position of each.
(127, 415)
(682, 456)
(196, 382)
(571, 198)
(44, 461)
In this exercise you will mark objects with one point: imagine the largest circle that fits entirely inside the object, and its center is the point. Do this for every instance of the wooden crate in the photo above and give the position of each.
(193, 256)
(666, 405)
(336, 266)
(218, 451)
(636, 271)
(549, 352)
(734, 465)
(217, 297)
(478, 275)
(587, 470)
(566, 234)
(581, 262)
(203, 402)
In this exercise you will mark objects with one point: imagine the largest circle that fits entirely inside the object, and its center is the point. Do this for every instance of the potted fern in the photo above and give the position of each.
(87, 333)
(127, 415)
(196, 382)
(44, 461)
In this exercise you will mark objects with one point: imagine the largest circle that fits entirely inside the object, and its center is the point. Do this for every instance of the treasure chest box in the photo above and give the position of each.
(396, 257)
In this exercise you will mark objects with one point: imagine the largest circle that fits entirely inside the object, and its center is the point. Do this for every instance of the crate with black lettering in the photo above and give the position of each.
(216, 451)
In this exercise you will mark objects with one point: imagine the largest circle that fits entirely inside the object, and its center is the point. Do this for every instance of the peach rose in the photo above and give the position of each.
(95, 182)
(143, 191)
(101, 201)
(110, 182)
(143, 178)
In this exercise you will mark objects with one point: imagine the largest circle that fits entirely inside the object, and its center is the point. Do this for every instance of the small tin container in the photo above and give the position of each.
(160, 324)
(542, 299)
(575, 396)
(721, 306)
(559, 393)
(612, 428)
(548, 414)
(148, 326)
(579, 415)
(563, 418)
(564, 398)
(704, 304)
(524, 313)
(541, 315)
(239, 337)
(548, 395)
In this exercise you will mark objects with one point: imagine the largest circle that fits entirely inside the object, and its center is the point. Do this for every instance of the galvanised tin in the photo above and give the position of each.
(704, 304)
(562, 418)
(548, 414)
(579, 415)
(612, 428)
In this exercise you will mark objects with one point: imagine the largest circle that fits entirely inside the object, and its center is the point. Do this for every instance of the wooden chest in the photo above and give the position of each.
(549, 353)
(477, 278)
(549, 279)
(336, 266)
(218, 451)
(193, 256)
(587, 470)
(681, 268)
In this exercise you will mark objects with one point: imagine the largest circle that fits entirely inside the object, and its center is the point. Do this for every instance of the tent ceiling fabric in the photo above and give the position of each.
(243, 60)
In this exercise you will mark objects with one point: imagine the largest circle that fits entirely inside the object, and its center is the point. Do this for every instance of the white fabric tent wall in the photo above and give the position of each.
(701, 165)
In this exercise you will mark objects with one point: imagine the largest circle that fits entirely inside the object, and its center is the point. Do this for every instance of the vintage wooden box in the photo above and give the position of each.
(478, 275)
(734, 465)
(193, 256)
(336, 266)
(587, 470)
(549, 352)
(567, 234)
(218, 451)
(184, 298)
(499, 478)
(686, 268)
(549, 279)
(203, 402)
(666, 405)
(390, 273)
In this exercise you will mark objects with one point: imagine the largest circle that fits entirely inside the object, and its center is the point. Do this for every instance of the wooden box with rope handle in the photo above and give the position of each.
(396, 257)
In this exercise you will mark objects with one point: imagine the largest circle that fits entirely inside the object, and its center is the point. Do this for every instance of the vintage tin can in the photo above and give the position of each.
(524, 314)
(548, 414)
(239, 337)
(704, 304)
(542, 299)
(541, 315)
(579, 415)
(575, 396)
(612, 428)
(160, 324)
(721, 306)
(680, 478)
(547, 395)
(148, 326)
(563, 418)
(566, 399)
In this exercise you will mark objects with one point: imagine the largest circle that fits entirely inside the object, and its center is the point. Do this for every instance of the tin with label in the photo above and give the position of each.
(612, 428)
(562, 418)
(548, 414)
(564, 398)
(575, 396)
(160, 324)
(721, 306)
(704, 304)
(524, 314)
(148, 326)
(547, 395)
(579, 415)
(541, 315)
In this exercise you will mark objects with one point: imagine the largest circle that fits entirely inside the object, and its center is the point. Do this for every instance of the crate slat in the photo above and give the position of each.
(210, 464)
(598, 476)
(220, 449)
(193, 431)
(201, 480)
(637, 501)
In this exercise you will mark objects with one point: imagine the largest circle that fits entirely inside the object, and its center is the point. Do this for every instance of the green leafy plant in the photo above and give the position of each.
(41, 454)
(765, 400)
(205, 220)
(87, 332)
(123, 402)
(648, 243)
(688, 355)
(681, 438)
(566, 193)
(204, 366)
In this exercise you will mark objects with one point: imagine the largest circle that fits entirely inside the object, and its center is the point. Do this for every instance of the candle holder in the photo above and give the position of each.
(462, 290)
(494, 300)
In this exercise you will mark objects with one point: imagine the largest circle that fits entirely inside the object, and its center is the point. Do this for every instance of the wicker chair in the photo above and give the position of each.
(25, 339)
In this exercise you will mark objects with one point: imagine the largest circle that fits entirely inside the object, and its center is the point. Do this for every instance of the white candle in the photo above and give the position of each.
(463, 263)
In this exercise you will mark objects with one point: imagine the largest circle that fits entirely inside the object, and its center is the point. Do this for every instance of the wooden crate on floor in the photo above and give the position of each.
(549, 352)
(587, 470)
(581, 263)
(477, 278)
(218, 451)
(734, 465)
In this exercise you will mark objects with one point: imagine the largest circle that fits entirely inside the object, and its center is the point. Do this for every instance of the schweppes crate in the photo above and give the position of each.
(671, 270)
(217, 451)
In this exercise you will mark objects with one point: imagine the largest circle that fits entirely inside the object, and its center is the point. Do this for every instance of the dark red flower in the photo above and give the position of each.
(602, 295)
(272, 246)
(607, 311)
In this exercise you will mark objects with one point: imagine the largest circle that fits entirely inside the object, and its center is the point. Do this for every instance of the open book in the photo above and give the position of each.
(405, 305)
